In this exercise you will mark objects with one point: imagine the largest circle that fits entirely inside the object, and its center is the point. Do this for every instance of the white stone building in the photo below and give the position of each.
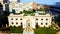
(18, 20)
(24, 21)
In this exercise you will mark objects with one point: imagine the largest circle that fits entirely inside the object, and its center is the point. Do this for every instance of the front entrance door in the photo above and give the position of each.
(28, 23)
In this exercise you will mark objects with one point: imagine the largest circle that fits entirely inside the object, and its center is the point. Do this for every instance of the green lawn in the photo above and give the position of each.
(45, 30)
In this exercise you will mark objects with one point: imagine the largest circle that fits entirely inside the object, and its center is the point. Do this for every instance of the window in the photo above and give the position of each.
(41, 8)
(16, 22)
(20, 11)
(11, 18)
(21, 19)
(21, 23)
(41, 19)
(16, 19)
(12, 23)
(46, 23)
(46, 19)
(36, 18)
(41, 23)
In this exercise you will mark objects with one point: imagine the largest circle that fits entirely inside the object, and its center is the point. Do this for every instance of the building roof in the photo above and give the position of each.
(22, 15)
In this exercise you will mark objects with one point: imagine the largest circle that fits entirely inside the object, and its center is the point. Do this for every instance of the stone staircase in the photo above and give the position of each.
(28, 30)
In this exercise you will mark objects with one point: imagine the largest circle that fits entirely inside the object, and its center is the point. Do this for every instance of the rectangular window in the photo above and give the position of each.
(41, 19)
(21, 19)
(41, 23)
(46, 19)
(11, 18)
(12, 23)
(36, 18)
(16, 22)
(16, 19)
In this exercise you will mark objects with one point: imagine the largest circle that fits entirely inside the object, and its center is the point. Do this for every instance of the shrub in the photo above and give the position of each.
(15, 29)
(45, 30)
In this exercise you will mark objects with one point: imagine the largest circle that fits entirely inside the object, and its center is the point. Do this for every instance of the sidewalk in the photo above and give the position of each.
(58, 32)
(3, 32)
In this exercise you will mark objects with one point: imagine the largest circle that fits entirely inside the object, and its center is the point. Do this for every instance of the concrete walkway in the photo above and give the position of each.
(28, 30)
(3, 32)
(58, 32)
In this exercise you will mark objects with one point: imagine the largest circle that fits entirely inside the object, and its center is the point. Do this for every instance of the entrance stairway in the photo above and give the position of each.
(28, 30)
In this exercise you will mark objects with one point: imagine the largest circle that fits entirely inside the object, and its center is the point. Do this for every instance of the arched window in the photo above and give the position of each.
(28, 22)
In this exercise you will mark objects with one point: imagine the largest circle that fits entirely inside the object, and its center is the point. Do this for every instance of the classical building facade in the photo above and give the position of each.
(24, 21)
(28, 17)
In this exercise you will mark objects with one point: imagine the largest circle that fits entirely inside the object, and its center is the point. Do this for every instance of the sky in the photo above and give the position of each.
(48, 2)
